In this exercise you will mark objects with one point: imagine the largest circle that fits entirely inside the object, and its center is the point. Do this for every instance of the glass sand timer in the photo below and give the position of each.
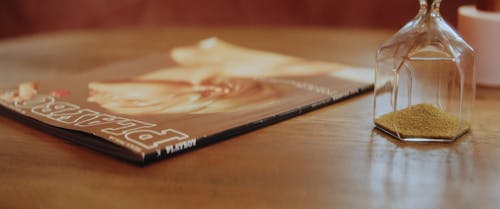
(424, 80)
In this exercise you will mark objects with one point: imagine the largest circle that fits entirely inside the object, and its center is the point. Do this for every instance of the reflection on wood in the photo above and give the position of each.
(328, 158)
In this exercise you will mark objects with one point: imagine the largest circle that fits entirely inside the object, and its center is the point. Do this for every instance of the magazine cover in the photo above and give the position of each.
(157, 106)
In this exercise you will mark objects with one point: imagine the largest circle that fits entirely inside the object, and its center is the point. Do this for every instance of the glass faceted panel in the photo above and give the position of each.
(424, 80)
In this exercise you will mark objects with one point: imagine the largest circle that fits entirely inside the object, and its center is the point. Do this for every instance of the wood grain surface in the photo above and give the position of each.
(329, 158)
(21, 17)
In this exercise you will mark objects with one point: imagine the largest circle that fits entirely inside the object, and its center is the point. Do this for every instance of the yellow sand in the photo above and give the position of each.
(423, 121)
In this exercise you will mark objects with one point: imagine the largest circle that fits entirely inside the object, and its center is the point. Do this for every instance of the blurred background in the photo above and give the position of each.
(24, 17)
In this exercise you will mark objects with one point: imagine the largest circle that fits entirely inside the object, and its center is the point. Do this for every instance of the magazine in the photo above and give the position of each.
(158, 106)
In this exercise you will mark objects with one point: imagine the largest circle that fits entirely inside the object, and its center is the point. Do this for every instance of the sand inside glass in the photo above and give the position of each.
(423, 121)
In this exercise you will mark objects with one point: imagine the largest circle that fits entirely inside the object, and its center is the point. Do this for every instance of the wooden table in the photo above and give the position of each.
(329, 158)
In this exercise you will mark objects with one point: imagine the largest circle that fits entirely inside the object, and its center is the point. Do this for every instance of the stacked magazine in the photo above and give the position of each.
(161, 105)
